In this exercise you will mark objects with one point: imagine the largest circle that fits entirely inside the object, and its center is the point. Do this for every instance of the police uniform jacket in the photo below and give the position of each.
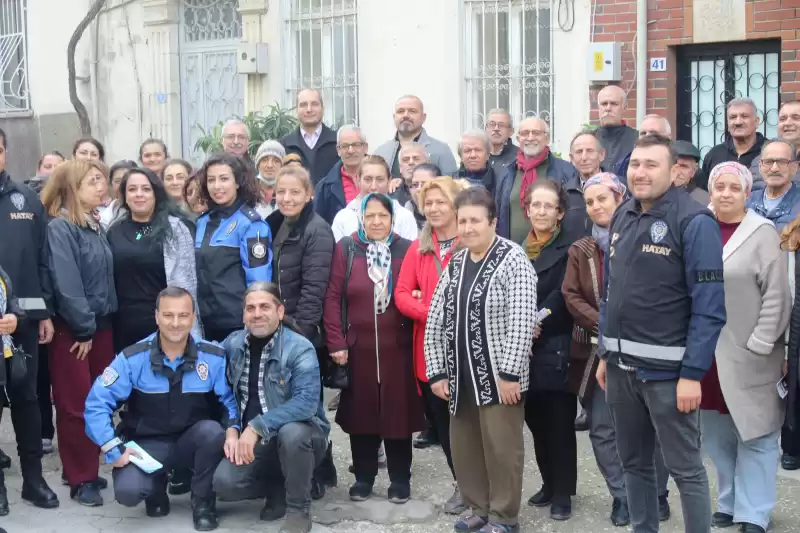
(162, 401)
(23, 247)
(234, 249)
(664, 304)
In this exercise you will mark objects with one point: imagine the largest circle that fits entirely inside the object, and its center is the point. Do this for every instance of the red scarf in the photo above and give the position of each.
(529, 176)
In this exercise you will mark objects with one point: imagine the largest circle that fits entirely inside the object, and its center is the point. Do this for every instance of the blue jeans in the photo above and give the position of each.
(747, 472)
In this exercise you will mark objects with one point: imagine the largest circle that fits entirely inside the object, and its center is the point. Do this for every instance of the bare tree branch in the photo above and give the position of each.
(80, 109)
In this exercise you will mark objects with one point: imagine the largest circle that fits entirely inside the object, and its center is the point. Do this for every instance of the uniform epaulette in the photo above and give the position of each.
(209, 348)
(133, 349)
(250, 213)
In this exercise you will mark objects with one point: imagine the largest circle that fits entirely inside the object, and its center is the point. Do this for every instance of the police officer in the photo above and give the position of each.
(23, 255)
(663, 312)
(173, 385)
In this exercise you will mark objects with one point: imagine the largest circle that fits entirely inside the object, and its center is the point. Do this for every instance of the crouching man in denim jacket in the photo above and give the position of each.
(274, 374)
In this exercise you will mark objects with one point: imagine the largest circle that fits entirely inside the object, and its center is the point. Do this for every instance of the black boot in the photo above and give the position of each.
(5, 461)
(36, 491)
(426, 439)
(204, 514)
(3, 495)
(582, 421)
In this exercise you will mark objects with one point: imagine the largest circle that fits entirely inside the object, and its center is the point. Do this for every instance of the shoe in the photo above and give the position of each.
(620, 515)
(582, 421)
(426, 439)
(180, 482)
(561, 511)
(5, 461)
(297, 522)
(788, 462)
(751, 528)
(663, 509)
(157, 505)
(399, 492)
(3, 497)
(274, 508)
(540, 499)
(87, 494)
(204, 514)
(470, 522)
(455, 504)
(360, 491)
(333, 405)
(37, 492)
(101, 482)
(493, 527)
(47, 446)
(317, 489)
(721, 520)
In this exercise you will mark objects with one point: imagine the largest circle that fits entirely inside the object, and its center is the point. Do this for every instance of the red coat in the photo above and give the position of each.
(419, 273)
(392, 409)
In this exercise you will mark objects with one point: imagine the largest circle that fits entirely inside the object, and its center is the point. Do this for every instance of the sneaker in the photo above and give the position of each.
(493, 527)
(455, 504)
(101, 482)
(399, 492)
(47, 446)
(470, 522)
(297, 522)
(87, 494)
(360, 491)
(663, 509)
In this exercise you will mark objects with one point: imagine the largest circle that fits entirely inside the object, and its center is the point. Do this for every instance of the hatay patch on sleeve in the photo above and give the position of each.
(109, 376)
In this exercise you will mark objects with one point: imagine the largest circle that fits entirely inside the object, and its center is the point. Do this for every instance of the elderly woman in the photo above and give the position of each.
(478, 339)
(269, 160)
(741, 412)
(366, 331)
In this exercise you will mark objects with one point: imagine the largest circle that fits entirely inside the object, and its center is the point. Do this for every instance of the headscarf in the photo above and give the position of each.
(610, 180)
(732, 167)
(379, 256)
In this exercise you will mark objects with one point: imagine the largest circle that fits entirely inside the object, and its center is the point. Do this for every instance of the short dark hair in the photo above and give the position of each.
(792, 146)
(94, 142)
(273, 290)
(551, 185)
(173, 291)
(248, 186)
(120, 165)
(4, 138)
(477, 196)
(165, 206)
(152, 140)
(649, 141)
(788, 102)
(182, 162)
(428, 167)
(590, 133)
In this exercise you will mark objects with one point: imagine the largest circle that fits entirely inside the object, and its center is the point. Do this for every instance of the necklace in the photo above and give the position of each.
(144, 231)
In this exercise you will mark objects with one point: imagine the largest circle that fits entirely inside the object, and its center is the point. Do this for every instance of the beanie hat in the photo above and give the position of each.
(270, 149)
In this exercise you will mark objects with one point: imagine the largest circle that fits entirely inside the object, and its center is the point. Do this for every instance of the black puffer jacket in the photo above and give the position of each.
(301, 266)
(793, 355)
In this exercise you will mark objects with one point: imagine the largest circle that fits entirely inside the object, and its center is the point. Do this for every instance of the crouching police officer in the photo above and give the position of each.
(275, 375)
(173, 385)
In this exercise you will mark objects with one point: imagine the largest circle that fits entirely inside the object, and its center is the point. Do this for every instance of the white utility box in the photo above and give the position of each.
(605, 62)
(252, 58)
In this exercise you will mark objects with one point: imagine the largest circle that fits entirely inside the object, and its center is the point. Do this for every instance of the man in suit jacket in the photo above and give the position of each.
(313, 141)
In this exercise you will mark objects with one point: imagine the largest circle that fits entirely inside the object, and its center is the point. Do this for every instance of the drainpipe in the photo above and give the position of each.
(641, 60)
(93, 52)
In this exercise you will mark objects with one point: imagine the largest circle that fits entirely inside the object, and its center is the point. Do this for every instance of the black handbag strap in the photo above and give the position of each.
(350, 252)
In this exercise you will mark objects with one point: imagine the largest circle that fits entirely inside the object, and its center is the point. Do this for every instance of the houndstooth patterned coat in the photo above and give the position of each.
(501, 314)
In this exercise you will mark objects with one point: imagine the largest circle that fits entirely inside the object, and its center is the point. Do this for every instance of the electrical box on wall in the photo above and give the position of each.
(605, 62)
(252, 58)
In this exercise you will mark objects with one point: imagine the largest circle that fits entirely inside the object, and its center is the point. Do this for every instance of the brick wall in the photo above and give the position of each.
(670, 25)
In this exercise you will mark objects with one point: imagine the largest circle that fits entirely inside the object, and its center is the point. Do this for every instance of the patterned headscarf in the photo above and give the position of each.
(609, 179)
(732, 167)
(379, 256)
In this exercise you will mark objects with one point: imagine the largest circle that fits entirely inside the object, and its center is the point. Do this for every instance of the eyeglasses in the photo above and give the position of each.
(539, 206)
(782, 163)
(345, 147)
(497, 125)
(535, 133)
(232, 137)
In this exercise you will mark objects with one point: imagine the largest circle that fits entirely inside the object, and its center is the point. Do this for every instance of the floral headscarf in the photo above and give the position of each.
(610, 180)
(732, 167)
(379, 256)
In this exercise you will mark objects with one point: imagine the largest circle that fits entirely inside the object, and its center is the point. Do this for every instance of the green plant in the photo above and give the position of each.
(272, 124)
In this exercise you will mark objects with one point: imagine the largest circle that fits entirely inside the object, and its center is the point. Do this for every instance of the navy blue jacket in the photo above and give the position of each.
(164, 398)
(664, 299)
(557, 170)
(329, 196)
(233, 249)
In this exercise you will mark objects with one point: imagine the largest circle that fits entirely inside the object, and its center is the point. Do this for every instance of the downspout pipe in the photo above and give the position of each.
(641, 61)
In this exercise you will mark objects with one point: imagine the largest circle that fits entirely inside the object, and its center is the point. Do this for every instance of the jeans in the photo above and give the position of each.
(199, 448)
(285, 463)
(747, 472)
(646, 412)
(604, 444)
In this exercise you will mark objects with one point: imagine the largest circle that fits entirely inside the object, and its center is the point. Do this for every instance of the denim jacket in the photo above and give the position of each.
(786, 211)
(291, 381)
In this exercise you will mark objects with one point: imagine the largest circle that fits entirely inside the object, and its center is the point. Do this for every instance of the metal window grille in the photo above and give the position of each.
(14, 95)
(508, 46)
(321, 39)
(211, 20)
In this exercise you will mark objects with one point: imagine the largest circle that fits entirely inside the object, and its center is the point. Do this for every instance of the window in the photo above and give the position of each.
(322, 47)
(13, 66)
(508, 46)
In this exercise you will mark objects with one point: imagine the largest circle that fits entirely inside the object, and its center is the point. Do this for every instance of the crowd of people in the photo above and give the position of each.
(194, 316)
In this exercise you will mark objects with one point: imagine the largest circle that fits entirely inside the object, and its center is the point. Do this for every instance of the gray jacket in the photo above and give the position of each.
(438, 152)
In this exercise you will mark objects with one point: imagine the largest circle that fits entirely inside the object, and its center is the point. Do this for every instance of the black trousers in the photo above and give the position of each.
(43, 392)
(438, 413)
(365, 458)
(790, 439)
(24, 404)
(550, 415)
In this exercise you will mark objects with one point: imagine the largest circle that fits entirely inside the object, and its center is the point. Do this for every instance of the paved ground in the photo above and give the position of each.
(337, 514)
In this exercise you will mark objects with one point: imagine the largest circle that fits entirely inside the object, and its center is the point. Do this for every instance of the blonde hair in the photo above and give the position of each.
(790, 236)
(449, 187)
(298, 173)
(61, 192)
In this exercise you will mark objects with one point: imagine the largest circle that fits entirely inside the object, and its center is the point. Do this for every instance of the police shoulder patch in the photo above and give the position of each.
(251, 214)
(211, 349)
(109, 376)
(133, 349)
